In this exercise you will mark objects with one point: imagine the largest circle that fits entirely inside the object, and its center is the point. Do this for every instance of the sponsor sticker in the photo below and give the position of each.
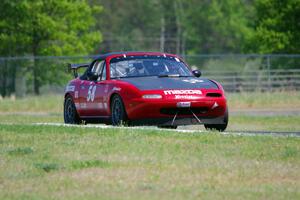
(184, 104)
(186, 97)
(76, 94)
(82, 105)
(70, 88)
(116, 89)
(100, 105)
(182, 92)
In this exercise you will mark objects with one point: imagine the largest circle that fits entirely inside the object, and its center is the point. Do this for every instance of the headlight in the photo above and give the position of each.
(152, 96)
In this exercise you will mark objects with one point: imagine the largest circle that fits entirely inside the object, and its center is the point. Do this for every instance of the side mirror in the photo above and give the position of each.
(197, 73)
(92, 76)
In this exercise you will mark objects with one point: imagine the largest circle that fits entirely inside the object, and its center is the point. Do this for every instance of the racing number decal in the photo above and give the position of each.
(91, 93)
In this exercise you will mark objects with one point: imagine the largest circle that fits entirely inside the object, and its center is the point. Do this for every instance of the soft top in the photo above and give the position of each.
(104, 56)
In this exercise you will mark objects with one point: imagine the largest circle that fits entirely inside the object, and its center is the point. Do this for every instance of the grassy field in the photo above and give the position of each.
(36, 104)
(264, 101)
(80, 162)
(49, 162)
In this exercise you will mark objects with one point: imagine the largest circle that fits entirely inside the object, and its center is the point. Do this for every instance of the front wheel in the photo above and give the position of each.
(70, 113)
(118, 113)
(218, 127)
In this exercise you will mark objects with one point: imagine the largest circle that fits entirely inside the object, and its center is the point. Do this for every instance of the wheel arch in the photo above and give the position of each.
(68, 94)
(111, 98)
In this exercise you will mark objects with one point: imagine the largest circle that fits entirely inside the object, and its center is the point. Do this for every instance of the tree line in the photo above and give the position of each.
(201, 26)
(84, 27)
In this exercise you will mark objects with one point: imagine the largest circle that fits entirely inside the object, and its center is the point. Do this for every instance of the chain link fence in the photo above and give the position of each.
(250, 72)
(27, 75)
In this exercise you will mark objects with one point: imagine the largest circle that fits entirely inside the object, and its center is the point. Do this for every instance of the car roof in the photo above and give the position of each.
(132, 53)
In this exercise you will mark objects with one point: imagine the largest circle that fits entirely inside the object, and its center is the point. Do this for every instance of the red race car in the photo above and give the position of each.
(143, 88)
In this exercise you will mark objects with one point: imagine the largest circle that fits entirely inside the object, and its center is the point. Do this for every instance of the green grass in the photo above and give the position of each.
(31, 118)
(267, 100)
(264, 123)
(53, 162)
(36, 104)
(49, 162)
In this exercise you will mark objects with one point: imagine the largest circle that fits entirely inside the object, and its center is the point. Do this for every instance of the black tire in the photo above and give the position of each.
(167, 126)
(218, 127)
(70, 112)
(118, 112)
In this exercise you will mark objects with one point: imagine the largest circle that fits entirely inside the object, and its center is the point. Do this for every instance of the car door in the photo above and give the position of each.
(101, 94)
(91, 89)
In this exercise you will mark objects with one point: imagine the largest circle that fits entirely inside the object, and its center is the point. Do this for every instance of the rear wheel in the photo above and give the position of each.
(118, 113)
(218, 127)
(70, 113)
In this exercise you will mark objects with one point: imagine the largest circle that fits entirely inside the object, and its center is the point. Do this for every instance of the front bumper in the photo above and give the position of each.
(177, 121)
(207, 110)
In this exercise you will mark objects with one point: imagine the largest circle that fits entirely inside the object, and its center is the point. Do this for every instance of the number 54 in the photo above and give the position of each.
(91, 93)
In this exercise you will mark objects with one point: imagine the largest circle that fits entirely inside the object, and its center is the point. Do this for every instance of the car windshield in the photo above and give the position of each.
(139, 66)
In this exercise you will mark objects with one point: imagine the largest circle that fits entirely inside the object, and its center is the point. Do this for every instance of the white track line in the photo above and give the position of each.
(239, 133)
(115, 127)
(102, 126)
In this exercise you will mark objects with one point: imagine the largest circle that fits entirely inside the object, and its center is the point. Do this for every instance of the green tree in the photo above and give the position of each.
(128, 25)
(142, 25)
(277, 27)
(217, 26)
(47, 27)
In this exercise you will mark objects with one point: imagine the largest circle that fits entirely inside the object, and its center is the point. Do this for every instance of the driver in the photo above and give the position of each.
(154, 67)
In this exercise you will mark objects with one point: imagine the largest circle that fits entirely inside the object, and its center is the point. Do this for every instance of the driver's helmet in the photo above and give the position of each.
(154, 67)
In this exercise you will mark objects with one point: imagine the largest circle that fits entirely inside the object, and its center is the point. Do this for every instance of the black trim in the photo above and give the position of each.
(183, 111)
(122, 58)
(178, 121)
(104, 56)
(214, 94)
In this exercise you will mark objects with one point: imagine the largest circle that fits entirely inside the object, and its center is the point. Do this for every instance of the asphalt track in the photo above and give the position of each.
(180, 130)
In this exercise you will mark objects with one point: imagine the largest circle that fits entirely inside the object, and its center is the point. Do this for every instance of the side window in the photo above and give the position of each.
(93, 73)
(103, 75)
(97, 68)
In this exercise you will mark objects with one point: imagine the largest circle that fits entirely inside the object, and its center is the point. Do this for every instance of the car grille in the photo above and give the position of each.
(183, 111)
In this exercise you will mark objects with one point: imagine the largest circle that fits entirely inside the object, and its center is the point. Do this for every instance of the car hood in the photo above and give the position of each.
(157, 83)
